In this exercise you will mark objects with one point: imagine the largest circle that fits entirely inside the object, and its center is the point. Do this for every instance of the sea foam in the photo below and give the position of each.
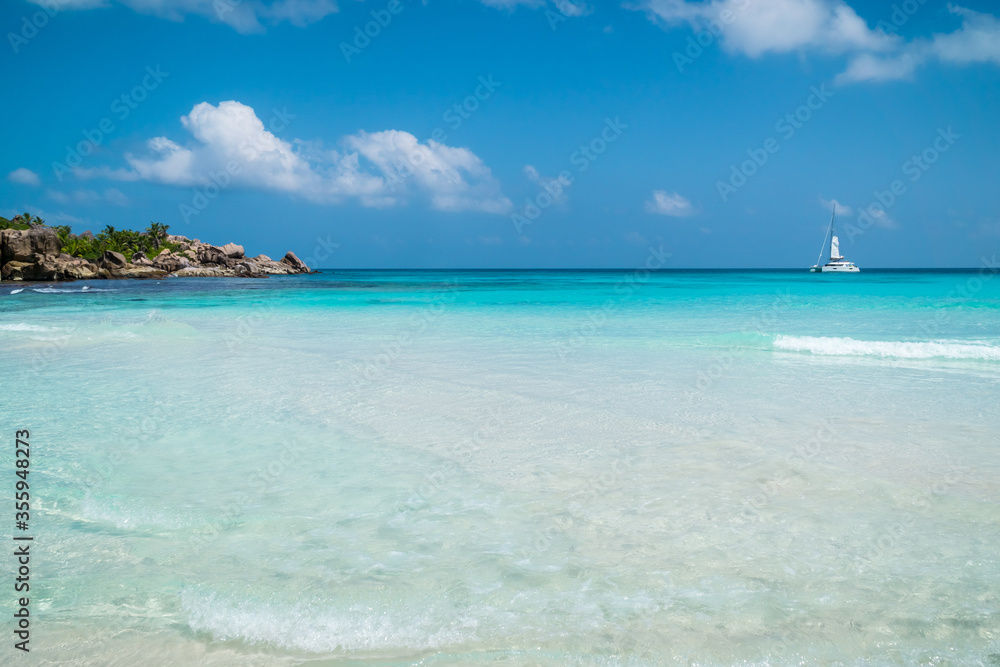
(21, 326)
(887, 348)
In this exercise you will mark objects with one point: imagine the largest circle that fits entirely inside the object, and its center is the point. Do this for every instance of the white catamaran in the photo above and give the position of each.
(837, 263)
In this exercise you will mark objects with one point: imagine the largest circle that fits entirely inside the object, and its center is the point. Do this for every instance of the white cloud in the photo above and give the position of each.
(868, 67)
(570, 8)
(249, 16)
(672, 204)
(454, 178)
(977, 41)
(882, 219)
(380, 169)
(842, 209)
(24, 177)
(557, 187)
(111, 195)
(758, 27)
(244, 16)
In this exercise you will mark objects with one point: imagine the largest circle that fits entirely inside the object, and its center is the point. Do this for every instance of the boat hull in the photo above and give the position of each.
(835, 268)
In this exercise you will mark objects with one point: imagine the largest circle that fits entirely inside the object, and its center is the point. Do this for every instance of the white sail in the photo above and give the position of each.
(834, 247)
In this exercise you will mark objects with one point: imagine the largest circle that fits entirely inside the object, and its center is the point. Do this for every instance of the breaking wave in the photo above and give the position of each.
(887, 348)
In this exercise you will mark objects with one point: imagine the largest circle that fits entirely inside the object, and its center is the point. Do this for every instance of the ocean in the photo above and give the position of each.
(508, 468)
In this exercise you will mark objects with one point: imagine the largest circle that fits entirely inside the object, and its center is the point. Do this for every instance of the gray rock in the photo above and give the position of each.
(82, 271)
(291, 260)
(14, 270)
(233, 251)
(112, 260)
(249, 269)
(211, 254)
(140, 272)
(204, 272)
(169, 262)
(21, 245)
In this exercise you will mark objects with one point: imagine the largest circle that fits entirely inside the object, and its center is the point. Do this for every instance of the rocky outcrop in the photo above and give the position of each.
(22, 245)
(291, 260)
(34, 254)
(169, 262)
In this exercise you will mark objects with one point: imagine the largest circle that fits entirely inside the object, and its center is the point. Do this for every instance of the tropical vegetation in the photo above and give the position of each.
(149, 242)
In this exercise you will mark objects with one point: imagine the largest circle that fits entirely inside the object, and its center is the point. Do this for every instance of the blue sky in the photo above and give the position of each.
(468, 133)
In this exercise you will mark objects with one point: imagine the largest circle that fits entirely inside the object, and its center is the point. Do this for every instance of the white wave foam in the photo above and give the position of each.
(887, 348)
(21, 326)
(315, 630)
(127, 515)
(56, 290)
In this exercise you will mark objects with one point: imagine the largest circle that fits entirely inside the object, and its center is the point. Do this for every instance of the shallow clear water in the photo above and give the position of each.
(547, 468)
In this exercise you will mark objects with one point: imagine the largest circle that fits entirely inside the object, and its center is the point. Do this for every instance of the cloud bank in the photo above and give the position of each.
(231, 145)
(755, 28)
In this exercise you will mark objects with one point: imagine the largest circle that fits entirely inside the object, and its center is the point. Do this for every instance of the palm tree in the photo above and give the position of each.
(157, 232)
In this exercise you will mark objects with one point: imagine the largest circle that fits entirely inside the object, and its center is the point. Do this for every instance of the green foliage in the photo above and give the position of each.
(126, 241)
(80, 247)
(21, 221)
(157, 232)
(63, 231)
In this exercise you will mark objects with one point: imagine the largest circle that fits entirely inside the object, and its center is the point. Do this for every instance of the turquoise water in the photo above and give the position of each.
(542, 468)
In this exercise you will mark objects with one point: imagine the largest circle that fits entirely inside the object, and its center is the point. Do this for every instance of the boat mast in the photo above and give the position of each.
(822, 247)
